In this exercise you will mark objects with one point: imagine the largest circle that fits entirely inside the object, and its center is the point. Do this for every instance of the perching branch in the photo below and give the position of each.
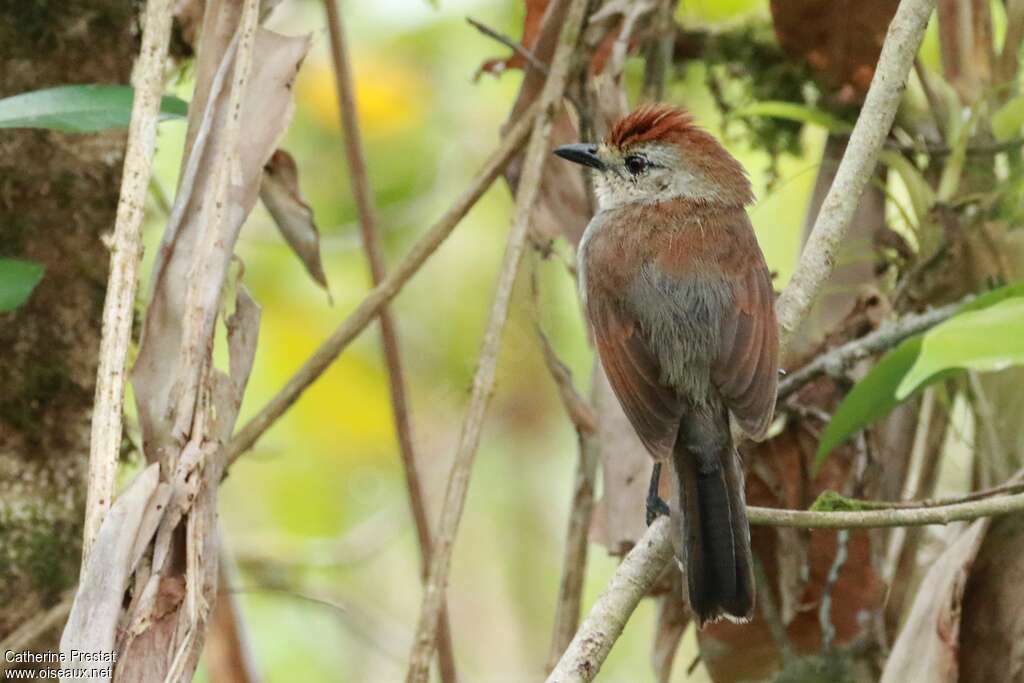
(380, 295)
(483, 381)
(125, 254)
(818, 258)
(345, 88)
(837, 360)
(638, 571)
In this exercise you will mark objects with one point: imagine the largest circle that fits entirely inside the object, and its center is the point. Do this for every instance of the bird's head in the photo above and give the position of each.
(657, 154)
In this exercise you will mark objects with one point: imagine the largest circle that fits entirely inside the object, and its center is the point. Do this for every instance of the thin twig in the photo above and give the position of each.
(511, 44)
(857, 165)
(31, 630)
(633, 579)
(125, 255)
(659, 51)
(837, 360)
(483, 381)
(367, 210)
(911, 482)
(380, 295)
(574, 559)
(228, 649)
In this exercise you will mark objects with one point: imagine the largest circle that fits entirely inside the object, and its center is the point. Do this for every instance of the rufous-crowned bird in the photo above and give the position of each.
(681, 304)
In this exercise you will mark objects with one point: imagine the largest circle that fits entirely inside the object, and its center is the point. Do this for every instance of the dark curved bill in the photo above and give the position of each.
(581, 153)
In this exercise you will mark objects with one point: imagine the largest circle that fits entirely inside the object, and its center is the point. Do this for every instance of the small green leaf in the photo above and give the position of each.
(17, 280)
(1007, 120)
(985, 340)
(876, 394)
(79, 108)
(795, 112)
(870, 399)
(920, 192)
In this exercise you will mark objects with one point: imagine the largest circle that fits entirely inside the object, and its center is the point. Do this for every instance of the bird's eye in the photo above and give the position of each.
(636, 164)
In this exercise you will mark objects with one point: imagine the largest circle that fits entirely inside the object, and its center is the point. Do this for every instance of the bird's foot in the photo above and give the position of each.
(655, 505)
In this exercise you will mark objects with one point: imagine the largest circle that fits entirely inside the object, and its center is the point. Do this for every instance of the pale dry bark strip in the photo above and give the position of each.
(379, 296)
(632, 580)
(483, 381)
(122, 283)
(345, 88)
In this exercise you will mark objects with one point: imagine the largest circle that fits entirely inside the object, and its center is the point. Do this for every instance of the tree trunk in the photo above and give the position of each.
(58, 195)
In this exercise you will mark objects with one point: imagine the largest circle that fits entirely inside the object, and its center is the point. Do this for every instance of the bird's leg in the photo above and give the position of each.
(655, 505)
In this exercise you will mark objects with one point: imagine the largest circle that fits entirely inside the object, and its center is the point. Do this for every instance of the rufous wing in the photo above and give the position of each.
(653, 409)
(745, 371)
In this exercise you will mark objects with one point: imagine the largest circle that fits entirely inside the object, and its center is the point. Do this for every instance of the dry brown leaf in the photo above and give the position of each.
(294, 218)
(625, 473)
(839, 39)
(167, 370)
(926, 647)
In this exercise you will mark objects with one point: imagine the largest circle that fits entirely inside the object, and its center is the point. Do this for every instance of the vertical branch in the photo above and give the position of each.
(345, 88)
(581, 506)
(125, 254)
(659, 51)
(229, 656)
(483, 381)
(858, 163)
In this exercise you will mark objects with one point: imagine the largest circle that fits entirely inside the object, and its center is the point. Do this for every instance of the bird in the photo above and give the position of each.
(681, 305)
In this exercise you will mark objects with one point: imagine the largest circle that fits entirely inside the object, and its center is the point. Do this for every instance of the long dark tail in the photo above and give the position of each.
(715, 533)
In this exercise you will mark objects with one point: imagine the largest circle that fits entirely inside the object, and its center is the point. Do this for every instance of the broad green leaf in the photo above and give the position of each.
(795, 112)
(876, 394)
(871, 398)
(1008, 119)
(17, 280)
(985, 340)
(79, 108)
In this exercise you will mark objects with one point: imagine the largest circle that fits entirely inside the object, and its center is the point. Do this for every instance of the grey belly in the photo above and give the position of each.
(681, 319)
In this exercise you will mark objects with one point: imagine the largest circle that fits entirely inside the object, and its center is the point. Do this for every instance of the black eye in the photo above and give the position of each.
(636, 164)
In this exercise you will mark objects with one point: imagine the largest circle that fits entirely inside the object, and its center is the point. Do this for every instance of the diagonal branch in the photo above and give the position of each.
(838, 359)
(389, 338)
(483, 381)
(379, 296)
(634, 578)
(125, 255)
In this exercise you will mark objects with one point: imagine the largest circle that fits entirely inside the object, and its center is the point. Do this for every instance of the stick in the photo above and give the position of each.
(632, 580)
(513, 45)
(125, 254)
(483, 381)
(818, 258)
(379, 296)
(356, 157)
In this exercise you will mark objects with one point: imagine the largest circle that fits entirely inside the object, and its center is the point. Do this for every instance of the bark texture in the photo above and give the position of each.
(58, 195)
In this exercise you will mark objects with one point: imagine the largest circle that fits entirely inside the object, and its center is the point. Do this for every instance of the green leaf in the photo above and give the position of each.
(985, 340)
(920, 192)
(1007, 120)
(17, 280)
(79, 108)
(795, 112)
(871, 398)
(876, 394)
